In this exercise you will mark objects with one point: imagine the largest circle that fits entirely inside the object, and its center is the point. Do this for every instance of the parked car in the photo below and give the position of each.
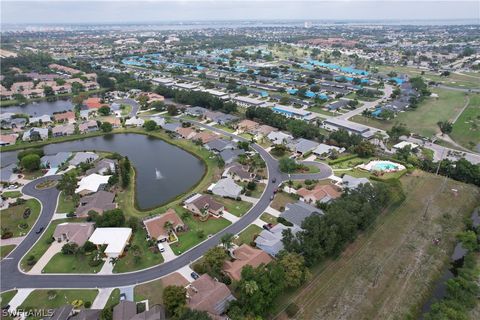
(267, 226)
(123, 297)
(194, 275)
(161, 247)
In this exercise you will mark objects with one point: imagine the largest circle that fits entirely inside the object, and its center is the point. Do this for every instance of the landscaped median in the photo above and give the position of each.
(18, 219)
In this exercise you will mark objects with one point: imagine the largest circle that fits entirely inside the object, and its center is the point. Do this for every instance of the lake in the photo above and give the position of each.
(40, 108)
(163, 171)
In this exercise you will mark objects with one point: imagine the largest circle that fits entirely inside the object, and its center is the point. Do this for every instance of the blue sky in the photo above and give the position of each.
(40, 11)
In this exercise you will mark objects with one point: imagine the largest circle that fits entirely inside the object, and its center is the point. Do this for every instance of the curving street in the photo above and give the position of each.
(11, 277)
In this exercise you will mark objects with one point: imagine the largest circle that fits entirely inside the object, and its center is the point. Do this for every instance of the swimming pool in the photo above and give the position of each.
(382, 165)
(385, 166)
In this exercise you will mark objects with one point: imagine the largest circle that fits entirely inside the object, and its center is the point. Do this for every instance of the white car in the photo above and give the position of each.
(161, 247)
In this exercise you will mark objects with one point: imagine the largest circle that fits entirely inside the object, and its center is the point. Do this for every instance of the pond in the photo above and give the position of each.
(163, 171)
(40, 108)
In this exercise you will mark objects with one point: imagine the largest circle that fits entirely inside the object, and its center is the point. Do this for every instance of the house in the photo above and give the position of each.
(224, 119)
(203, 205)
(263, 131)
(342, 103)
(134, 122)
(115, 238)
(248, 102)
(124, 310)
(158, 229)
(218, 145)
(210, 295)
(205, 136)
(303, 146)
(35, 134)
(349, 182)
(333, 124)
(8, 175)
(270, 241)
(172, 126)
(104, 166)
(40, 120)
(247, 125)
(238, 172)
(243, 256)
(74, 232)
(152, 97)
(55, 160)
(229, 156)
(297, 212)
(93, 103)
(19, 87)
(89, 126)
(403, 144)
(114, 121)
(325, 150)
(218, 94)
(226, 188)
(196, 111)
(159, 121)
(92, 183)
(322, 193)
(68, 116)
(81, 157)
(293, 112)
(99, 202)
(186, 133)
(278, 137)
(63, 130)
(8, 139)
(61, 313)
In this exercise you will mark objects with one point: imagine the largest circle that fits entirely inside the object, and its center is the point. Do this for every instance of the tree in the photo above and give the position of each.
(294, 267)
(365, 149)
(158, 105)
(110, 219)
(446, 127)
(172, 110)
(23, 153)
(214, 259)
(70, 248)
(48, 91)
(150, 125)
(106, 127)
(287, 165)
(468, 240)
(174, 299)
(68, 183)
(104, 110)
(226, 240)
(189, 314)
(30, 162)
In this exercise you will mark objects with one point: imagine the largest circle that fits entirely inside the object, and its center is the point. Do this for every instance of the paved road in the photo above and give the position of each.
(11, 277)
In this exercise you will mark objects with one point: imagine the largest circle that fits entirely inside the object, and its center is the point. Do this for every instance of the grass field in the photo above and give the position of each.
(281, 199)
(388, 271)
(268, 218)
(12, 194)
(5, 250)
(39, 299)
(65, 204)
(423, 120)
(6, 297)
(62, 263)
(12, 218)
(237, 208)
(246, 236)
(146, 259)
(466, 130)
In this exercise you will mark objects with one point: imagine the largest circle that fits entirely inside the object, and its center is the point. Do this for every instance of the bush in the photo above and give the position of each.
(7, 234)
(291, 310)
(284, 222)
(87, 304)
(94, 262)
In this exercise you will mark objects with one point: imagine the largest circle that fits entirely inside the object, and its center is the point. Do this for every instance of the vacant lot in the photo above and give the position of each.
(41, 299)
(14, 221)
(69, 263)
(387, 272)
(423, 120)
(466, 130)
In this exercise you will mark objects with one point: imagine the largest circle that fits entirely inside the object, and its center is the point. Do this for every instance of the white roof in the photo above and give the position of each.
(115, 238)
(92, 183)
(403, 144)
(226, 188)
(134, 122)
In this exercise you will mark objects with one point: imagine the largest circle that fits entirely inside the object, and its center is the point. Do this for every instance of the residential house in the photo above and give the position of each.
(19, 87)
(186, 133)
(8, 175)
(115, 238)
(342, 103)
(270, 241)
(205, 136)
(74, 232)
(99, 202)
(55, 160)
(209, 295)
(278, 137)
(248, 102)
(218, 145)
(152, 97)
(159, 121)
(114, 121)
(303, 146)
(196, 111)
(81, 157)
(127, 310)
(34, 134)
(243, 256)
(8, 139)
(165, 226)
(325, 150)
(93, 103)
(297, 212)
(203, 205)
(134, 122)
(68, 116)
(91, 183)
(238, 172)
(247, 125)
(230, 156)
(226, 188)
(290, 112)
(45, 119)
(88, 126)
(172, 126)
(63, 130)
(349, 182)
(404, 144)
(322, 193)
(104, 166)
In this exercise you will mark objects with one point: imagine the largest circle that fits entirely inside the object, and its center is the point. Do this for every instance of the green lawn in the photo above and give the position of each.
(224, 128)
(246, 236)
(151, 291)
(43, 243)
(114, 298)
(237, 208)
(423, 120)
(12, 218)
(466, 130)
(268, 218)
(62, 263)
(125, 111)
(321, 111)
(257, 193)
(147, 257)
(39, 299)
(187, 240)
(281, 199)
(65, 204)
(12, 194)
(5, 297)
(5, 250)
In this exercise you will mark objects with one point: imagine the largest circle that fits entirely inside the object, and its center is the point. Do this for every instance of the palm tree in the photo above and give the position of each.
(227, 240)
(250, 287)
(168, 226)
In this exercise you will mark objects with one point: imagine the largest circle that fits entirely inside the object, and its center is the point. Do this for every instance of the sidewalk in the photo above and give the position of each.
(107, 267)
(54, 248)
(10, 241)
(102, 298)
(249, 199)
(230, 217)
(272, 211)
(19, 298)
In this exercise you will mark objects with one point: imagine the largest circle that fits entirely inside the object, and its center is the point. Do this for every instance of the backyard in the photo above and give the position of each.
(14, 220)
(235, 207)
(367, 281)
